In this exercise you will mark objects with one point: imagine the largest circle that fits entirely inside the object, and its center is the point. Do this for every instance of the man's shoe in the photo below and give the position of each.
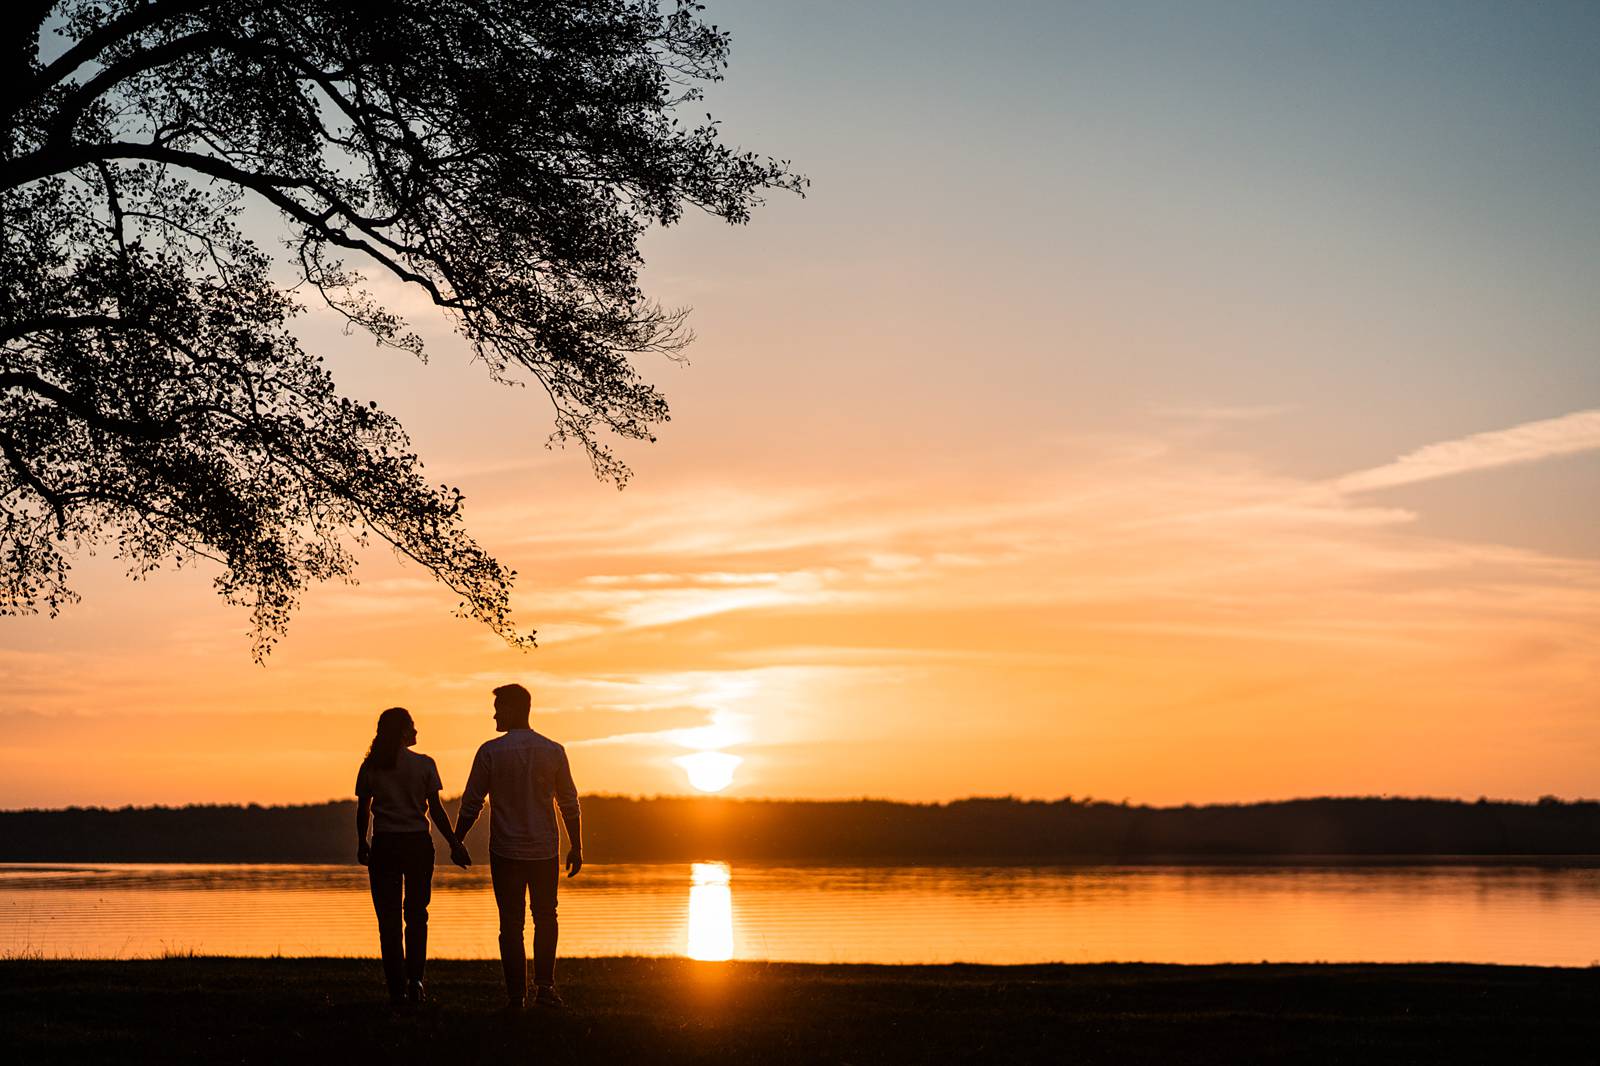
(547, 996)
(415, 993)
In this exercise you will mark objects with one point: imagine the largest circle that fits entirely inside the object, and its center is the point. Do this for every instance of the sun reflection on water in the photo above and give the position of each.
(710, 912)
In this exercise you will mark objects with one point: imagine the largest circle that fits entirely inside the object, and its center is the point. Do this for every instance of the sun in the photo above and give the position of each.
(709, 771)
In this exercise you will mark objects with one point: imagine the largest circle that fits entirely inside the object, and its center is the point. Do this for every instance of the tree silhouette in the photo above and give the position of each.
(502, 157)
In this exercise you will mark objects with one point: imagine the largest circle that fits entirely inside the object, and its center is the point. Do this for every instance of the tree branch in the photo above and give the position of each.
(25, 473)
(270, 187)
(147, 431)
(79, 99)
(73, 323)
(61, 68)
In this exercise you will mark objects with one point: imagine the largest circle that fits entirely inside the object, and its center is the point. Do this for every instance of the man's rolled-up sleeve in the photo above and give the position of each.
(566, 791)
(477, 786)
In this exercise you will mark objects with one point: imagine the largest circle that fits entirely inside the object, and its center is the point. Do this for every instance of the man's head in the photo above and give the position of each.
(511, 704)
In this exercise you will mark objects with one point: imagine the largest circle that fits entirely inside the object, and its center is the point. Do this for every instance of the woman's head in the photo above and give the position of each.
(395, 731)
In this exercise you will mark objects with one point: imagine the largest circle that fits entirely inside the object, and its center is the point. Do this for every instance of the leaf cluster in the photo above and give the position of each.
(500, 157)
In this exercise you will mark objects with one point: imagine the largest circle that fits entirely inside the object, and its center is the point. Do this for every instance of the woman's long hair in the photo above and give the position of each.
(393, 725)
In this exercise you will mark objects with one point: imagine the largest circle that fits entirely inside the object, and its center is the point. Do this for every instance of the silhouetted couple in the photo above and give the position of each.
(526, 778)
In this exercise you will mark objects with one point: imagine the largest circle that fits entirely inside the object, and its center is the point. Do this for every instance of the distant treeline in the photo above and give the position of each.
(621, 829)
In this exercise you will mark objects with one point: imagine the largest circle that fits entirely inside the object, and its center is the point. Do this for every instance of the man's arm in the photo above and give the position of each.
(363, 815)
(472, 798)
(567, 803)
(436, 811)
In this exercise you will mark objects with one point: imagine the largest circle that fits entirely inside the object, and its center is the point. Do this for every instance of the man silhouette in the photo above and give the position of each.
(525, 777)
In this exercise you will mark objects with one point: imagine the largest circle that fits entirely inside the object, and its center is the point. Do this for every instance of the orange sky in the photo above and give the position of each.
(1122, 618)
(1208, 427)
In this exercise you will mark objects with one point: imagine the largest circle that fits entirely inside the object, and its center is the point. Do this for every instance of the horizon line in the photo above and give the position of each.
(1087, 800)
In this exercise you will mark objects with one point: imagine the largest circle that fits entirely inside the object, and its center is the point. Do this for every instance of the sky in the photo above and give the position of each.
(1182, 402)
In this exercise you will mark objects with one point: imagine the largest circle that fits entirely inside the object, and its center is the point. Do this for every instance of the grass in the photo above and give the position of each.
(633, 1010)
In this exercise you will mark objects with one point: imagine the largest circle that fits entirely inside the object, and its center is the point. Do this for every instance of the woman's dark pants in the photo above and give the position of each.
(530, 882)
(401, 872)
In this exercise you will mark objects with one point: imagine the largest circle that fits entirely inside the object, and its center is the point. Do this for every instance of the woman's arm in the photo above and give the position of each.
(436, 811)
(363, 814)
(440, 818)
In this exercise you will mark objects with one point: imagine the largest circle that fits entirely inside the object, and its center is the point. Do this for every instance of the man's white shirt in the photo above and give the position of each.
(525, 777)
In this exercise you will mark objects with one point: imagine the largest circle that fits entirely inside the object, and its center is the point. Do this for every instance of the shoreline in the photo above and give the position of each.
(648, 1009)
(969, 830)
(1585, 860)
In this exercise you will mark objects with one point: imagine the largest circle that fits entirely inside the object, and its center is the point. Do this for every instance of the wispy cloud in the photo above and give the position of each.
(1227, 413)
(1087, 622)
(1529, 442)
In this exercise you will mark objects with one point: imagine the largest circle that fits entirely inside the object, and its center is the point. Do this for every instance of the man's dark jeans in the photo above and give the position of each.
(401, 868)
(532, 882)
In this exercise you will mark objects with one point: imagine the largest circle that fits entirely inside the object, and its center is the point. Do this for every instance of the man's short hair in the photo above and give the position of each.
(514, 697)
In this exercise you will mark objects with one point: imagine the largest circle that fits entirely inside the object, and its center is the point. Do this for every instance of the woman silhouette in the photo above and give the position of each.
(399, 789)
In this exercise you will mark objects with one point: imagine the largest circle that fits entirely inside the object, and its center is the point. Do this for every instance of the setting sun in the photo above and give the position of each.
(709, 771)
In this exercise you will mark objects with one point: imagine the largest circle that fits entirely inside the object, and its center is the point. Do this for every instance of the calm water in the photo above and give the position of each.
(1471, 913)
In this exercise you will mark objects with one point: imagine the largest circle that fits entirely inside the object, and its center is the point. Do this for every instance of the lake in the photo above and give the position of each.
(1504, 912)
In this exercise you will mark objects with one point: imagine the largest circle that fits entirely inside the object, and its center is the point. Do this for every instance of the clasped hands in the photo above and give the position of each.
(463, 858)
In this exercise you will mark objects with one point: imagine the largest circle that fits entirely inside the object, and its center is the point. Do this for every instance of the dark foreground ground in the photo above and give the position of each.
(622, 1011)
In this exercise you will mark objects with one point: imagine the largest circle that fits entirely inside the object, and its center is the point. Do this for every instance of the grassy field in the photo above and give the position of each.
(622, 1011)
